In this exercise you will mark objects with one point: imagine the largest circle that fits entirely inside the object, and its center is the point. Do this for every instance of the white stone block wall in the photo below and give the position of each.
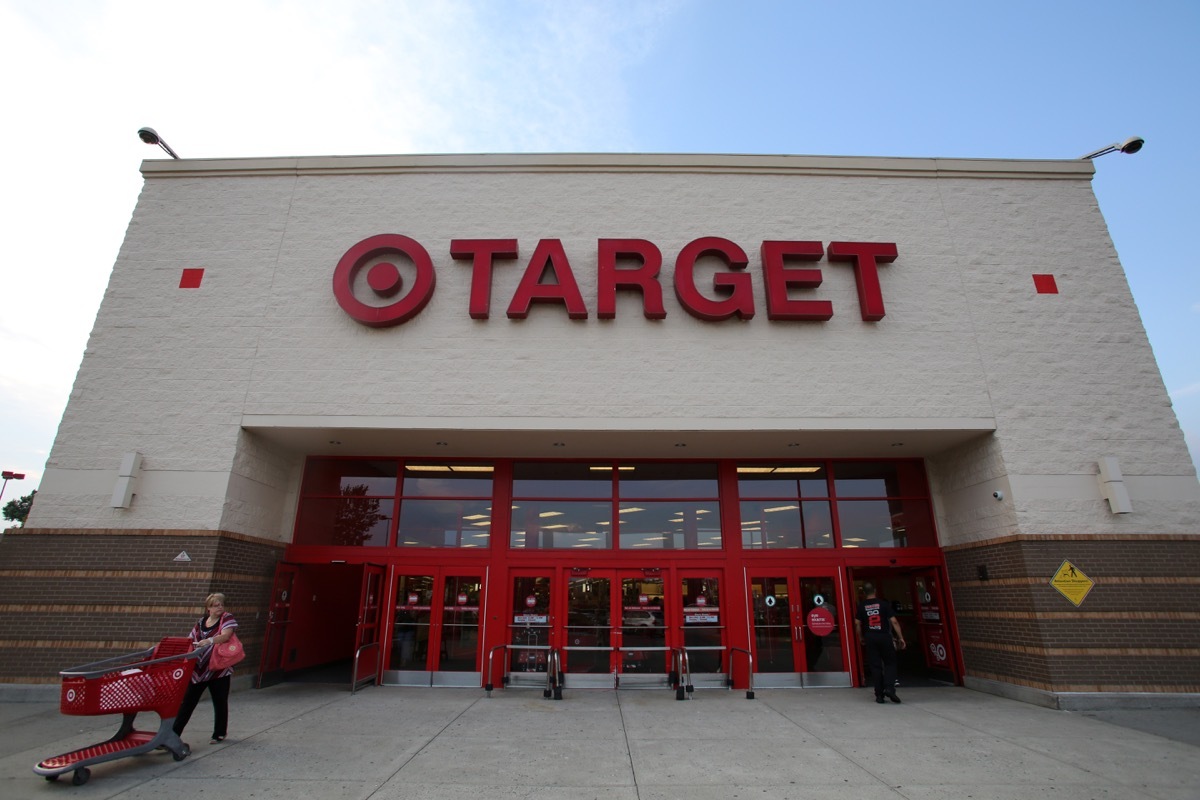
(1064, 379)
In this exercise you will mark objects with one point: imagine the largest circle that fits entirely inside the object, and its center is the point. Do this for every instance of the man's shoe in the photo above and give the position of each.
(891, 696)
(878, 698)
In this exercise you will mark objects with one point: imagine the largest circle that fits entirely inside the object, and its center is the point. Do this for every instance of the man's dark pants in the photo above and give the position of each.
(881, 659)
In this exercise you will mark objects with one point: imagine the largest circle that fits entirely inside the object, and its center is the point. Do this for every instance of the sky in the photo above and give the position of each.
(1025, 80)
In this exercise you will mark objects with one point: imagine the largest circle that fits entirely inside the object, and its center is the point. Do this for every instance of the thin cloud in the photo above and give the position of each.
(260, 78)
(1187, 391)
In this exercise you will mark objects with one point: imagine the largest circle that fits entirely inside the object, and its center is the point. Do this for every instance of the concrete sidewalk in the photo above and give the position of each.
(308, 740)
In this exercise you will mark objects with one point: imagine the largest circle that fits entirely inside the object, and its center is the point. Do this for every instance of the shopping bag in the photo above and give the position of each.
(226, 654)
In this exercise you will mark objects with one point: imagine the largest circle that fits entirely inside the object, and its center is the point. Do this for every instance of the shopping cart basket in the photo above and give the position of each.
(149, 680)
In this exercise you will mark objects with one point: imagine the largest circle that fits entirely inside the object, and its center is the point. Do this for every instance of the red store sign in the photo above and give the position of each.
(626, 264)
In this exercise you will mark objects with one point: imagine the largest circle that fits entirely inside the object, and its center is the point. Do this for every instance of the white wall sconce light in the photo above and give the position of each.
(1112, 486)
(130, 469)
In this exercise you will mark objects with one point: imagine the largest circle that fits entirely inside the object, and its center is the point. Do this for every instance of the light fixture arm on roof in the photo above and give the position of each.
(1129, 146)
(150, 136)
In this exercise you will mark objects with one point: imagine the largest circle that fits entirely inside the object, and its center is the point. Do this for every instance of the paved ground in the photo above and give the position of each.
(309, 740)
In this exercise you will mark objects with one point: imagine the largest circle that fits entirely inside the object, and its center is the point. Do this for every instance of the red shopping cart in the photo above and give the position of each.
(149, 680)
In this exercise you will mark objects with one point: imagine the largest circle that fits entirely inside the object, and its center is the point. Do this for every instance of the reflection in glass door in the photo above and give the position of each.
(435, 632)
(458, 654)
(529, 626)
(588, 648)
(367, 634)
(588, 645)
(770, 609)
(703, 629)
(270, 668)
(824, 633)
(799, 639)
(643, 640)
(933, 639)
(412, 628)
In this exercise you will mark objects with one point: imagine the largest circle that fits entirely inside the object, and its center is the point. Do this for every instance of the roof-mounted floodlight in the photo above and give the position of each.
(1129, 146)
(150, 136)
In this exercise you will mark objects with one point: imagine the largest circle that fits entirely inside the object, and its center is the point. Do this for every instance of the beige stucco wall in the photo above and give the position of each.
(200, 381)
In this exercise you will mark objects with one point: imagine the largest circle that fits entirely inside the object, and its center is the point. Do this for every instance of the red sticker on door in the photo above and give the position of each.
(820, 621)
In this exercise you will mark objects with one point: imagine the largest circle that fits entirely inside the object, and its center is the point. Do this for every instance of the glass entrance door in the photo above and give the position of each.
(642, 644)
(270, 667)
(930, 613)
(529, 627)
(922, 609)
(368, 628)
(435, 631)
(799, 636)
(703, 628)
(589, 638)
(614, 627)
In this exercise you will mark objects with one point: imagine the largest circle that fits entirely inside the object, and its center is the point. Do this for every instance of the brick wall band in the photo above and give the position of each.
(1137, 630)
(70, 597)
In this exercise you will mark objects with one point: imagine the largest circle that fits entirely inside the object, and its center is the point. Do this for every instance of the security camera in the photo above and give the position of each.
(999, 495)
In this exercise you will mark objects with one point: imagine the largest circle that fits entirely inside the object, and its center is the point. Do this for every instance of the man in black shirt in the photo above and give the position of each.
(875, 624)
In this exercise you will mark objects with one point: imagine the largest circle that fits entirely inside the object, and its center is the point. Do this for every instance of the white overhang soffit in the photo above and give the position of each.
(617, 439)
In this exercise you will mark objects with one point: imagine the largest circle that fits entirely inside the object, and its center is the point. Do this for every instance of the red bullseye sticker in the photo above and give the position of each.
(177, 674)
(384, 280)
(70, 695)
(820, 621)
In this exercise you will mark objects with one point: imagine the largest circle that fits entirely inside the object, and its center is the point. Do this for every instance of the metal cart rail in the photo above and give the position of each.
(148, 680)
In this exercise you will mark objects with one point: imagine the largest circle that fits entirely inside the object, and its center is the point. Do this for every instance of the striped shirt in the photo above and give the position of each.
(199, 632)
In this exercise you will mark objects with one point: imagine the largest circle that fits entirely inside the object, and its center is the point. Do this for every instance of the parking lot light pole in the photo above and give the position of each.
(9, 476)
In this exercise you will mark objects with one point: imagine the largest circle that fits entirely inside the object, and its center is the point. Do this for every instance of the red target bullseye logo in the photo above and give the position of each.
(384, 280)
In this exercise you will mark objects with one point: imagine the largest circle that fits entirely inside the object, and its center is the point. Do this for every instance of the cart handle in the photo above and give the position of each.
(97, 668)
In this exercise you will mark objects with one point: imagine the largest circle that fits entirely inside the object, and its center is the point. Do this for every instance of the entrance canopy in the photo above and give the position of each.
(857, 438)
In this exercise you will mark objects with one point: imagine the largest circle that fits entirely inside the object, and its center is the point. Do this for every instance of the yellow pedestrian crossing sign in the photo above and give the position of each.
(1072, 583)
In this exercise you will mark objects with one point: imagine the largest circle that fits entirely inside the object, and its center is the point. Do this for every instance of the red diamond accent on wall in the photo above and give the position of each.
(191, 278)
(1045, 284)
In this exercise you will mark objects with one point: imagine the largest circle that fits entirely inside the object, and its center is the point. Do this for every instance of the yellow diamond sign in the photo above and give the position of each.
(1072, 583)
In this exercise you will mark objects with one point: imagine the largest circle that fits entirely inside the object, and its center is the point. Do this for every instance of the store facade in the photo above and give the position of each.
(622, 571)
(469, 420)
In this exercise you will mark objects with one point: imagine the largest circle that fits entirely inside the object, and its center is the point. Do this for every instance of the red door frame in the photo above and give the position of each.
(498, 563)
(626, 656)
(439, 573)
(677, 626)
(933, 617)
(797, 613)
(501, 627)
(270, 663)
(368, 660)
(930, 561)
(559, 571)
